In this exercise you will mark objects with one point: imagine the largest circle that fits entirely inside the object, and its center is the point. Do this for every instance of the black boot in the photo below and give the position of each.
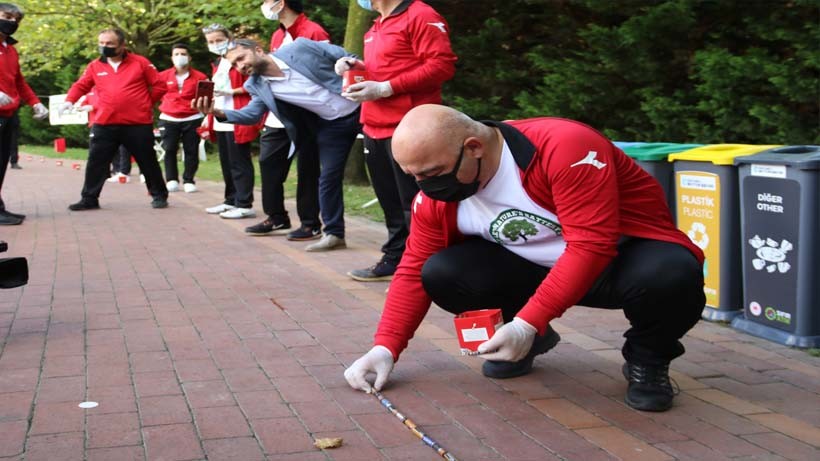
(84, 204)
(649, 387)
(502, 370)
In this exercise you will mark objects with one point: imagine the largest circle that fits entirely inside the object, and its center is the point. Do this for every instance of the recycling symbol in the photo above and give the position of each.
(771, 254)
(697, 233)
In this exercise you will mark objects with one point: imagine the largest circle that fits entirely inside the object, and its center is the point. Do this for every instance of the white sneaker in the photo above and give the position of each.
(142, 179)
(189, 187)
(238, 213)
(221, 208)
(172, 186)
(326, 243)
(113, 178)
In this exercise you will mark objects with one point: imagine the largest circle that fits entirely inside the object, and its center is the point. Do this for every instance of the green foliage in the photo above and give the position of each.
(701, 71)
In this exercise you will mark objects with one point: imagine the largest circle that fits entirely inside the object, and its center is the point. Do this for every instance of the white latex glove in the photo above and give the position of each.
(65, 108)
(4, 99)
(345, 63)
(85, 108)
(368, 91)
(510, 343)
(40, 111)
(378, 360)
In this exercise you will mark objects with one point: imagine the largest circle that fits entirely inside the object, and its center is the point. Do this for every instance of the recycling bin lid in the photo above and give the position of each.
(719, 154)
(800, 157)
(656, 151)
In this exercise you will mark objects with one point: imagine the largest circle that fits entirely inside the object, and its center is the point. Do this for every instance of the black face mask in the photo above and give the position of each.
(447, 187)
(8, 27)
(108, 51)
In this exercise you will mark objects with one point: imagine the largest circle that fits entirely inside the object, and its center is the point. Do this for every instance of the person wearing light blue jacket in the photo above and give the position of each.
(299, 85)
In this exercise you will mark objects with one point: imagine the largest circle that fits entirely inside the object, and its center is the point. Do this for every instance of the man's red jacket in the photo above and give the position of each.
(411, 49)
(177, 102)
(595, 207)
(11, 80)
(125, 96)
(301, 27)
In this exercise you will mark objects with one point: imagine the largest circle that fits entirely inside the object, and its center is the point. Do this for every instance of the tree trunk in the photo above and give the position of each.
(358, 21)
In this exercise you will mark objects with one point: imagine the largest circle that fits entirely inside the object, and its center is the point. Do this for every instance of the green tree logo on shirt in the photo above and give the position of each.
(519, 228)
(513, 226)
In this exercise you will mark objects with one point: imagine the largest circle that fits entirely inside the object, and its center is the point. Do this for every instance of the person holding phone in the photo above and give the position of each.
(177, 120)
(233, 142)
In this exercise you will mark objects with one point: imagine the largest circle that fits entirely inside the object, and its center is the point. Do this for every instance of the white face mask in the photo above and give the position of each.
(179, 61)
(219, 48)
(268, 13)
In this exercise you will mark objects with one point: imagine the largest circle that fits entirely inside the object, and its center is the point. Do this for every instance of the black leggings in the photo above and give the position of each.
(658, 285)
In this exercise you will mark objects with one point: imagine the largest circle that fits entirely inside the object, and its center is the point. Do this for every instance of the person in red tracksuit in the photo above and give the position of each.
(127, 86)
(178, 120)
(13, 89)
(274, 144)
(407, 56)
(233, 142)
(532, 217)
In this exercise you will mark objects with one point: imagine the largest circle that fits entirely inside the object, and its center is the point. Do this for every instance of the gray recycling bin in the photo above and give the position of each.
(780, 222)
(652, 157)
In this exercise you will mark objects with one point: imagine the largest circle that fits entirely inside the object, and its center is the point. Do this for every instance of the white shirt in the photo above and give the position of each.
(271, 120)
(222, 82)
(503, 213)
(299, 90)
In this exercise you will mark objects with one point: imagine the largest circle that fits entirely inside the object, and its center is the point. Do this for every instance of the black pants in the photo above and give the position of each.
(395, 191)
(658, 285)
(8, 127)
(172, 133)
(104, 144)
(237, 170)
(274, 165)
(14, 147)
(121, 162)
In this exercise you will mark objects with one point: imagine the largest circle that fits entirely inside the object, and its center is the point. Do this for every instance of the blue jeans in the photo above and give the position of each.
(335, 139)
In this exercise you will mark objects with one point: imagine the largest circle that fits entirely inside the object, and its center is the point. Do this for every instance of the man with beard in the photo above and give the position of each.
(299, 85)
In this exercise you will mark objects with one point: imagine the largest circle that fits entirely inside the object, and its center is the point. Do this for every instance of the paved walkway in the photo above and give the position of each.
(201, 343)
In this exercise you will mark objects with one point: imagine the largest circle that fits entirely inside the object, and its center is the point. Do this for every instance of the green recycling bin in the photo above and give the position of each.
(780, 221)
(652, 157)
(707, 210)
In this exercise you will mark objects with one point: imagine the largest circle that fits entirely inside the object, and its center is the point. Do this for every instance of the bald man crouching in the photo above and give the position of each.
(533, 217)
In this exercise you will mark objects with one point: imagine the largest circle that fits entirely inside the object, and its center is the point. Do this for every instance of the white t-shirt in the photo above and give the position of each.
(222, 82)
(271, 120)
(503, 213)
(300, 91)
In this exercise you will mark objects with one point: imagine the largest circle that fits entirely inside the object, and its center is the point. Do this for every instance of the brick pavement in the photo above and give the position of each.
(201, 343)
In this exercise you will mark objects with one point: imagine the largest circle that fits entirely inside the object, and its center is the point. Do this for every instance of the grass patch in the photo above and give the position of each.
(814, 352)
(354, 195)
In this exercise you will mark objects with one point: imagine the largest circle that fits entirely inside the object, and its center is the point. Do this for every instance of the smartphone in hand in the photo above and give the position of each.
(205, 88)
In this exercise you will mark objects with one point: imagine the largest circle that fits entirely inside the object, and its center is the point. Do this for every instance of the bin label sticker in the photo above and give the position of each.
(768, 171)
(474, 334)
(770, 208)
(698, 211)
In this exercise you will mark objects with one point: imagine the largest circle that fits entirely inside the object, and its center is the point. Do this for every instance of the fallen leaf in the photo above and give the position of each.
(334, 442)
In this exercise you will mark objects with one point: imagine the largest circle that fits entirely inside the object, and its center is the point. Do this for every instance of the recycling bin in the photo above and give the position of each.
(707, 210)
(780, 224)
(652, 157)
(622, 144)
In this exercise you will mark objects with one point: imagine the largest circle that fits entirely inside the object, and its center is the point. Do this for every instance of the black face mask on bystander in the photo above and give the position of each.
(447, 187)
(8, 27)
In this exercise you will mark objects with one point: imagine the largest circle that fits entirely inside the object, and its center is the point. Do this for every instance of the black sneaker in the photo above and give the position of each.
(16, 166)
(269, 226)
(84, 204)
(13, 215)
(8, 220)
(502, 370)
(159, 203)
(305, 233)
(650, 388)
(380, 271)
